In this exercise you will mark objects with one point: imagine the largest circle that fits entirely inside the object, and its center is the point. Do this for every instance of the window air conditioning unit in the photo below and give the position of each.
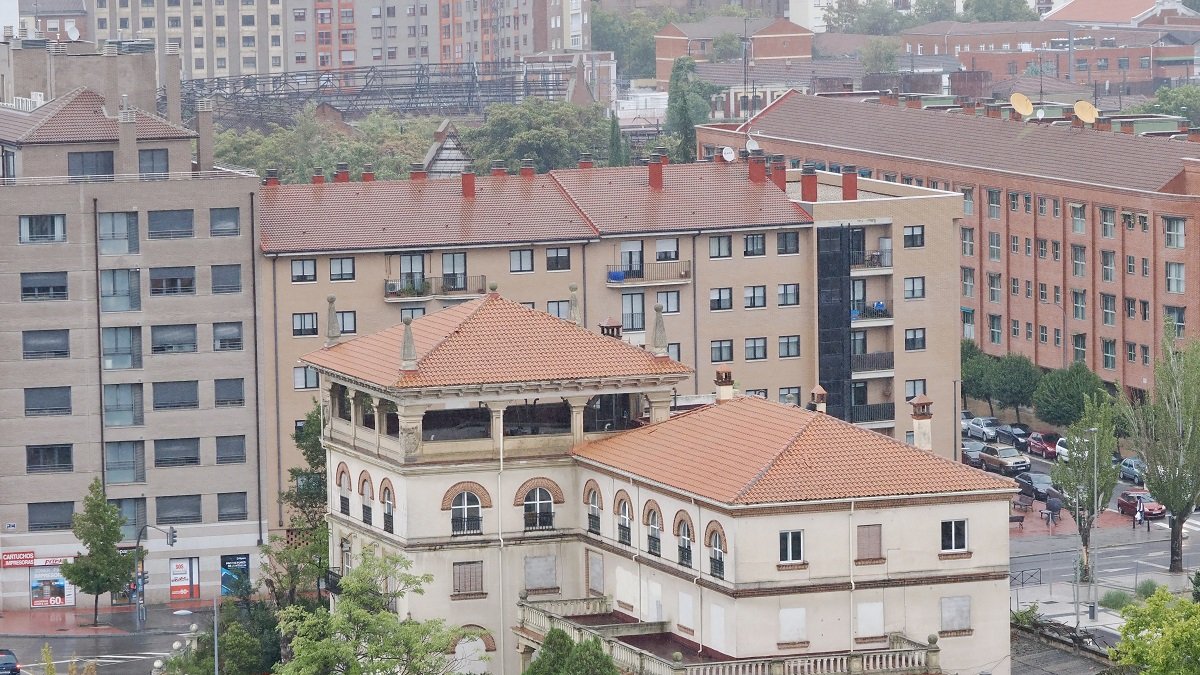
(392, 287)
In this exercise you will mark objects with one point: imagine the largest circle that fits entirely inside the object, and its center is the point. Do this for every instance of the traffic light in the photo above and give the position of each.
(172, 535)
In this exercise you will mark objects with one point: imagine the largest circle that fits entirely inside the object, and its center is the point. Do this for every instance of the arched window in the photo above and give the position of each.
(593, 511)
(623, 522)
(368, 495)
(539, 509)
(654, 533)
(685, 544)
(344, 494)
(465, 514)
(716, 559)
(389, 506)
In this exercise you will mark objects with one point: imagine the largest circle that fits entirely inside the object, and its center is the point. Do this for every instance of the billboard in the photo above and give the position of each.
(234, 568)
(48, 587)
(185, 578)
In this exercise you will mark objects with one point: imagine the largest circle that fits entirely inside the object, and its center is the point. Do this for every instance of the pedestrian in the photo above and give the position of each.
(1140, 514)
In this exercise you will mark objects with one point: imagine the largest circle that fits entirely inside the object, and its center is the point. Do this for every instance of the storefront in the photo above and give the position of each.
(47, 585)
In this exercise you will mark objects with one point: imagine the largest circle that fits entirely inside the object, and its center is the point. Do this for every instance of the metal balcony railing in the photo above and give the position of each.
(594, 523)
(344, 505)
(877, 310)
(871, 259)
(368, 515)
(873, 361)
(469, 525)
(685, 556)
(674, 271)
(623, 534)
(654, 545)
(873, 412)
(459, 284)
(541, 520)
(716, 567)
(408, 285)
(333, 580)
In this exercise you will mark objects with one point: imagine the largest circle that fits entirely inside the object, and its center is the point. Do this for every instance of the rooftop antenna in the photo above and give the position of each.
(728, 154)
(1086, 112)
(72, 33)
(751, 144)
(1021, 103)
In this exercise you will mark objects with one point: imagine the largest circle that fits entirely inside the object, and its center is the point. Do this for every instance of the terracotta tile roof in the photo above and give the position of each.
(1052, 152)
(987, 27)
(79, 116)
(764, 73)
(716, 25)
(402, 214)
(753, 451)
(694, 197)
(1101, 11)
(491, 340)
(50, 7)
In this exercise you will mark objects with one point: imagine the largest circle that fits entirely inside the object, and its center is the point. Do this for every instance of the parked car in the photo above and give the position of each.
(9, 665)
(1016, 435)
(1003, 459)
(1128, 500)
(970, 453)
(965, 418)
(1036, 485)
(1043, 443)
(983, 428)
(1132, 469)
(1062, 450)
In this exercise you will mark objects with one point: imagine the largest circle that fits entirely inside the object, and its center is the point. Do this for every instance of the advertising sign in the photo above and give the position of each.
(48, 587)
(17, 559)
(185, 579)
(233, 569)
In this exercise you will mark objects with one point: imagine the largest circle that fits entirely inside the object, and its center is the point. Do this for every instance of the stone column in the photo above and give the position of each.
(496, 408)
(526, 653)
(380, 423)
(577, 403)
(660, 405)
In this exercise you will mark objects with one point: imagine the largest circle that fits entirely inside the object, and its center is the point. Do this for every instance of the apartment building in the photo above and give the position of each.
(1073, 240)
(497, 447)
(56, 19)
(732, 258)
(130, 343)
(766, 41)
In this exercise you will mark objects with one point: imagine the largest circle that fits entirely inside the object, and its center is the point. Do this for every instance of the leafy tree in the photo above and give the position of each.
(249, 644)
(879, 55)
(977, 378)
(588, 658)
(554, 655)
(48, 659)
(928, 11)
(553, 133)
(1183, 101)
(726, 47)
(618, 147)
(840, 16)
(103, 569)
(1160, 636)
(1165, 429)
(998, 10)
(1059, 396)
(307, 497)
(362, 635)
(1088, 480)
(683, 100)
(1014, 378)
(878, 17)
(967, 349)
(630, 38)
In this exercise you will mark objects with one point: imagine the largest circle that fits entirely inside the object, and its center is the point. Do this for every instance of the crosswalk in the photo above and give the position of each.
(1189, 525)
(100, 660)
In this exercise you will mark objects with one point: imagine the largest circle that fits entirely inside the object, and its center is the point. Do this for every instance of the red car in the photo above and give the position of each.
(1128, 501)
(1043, 443)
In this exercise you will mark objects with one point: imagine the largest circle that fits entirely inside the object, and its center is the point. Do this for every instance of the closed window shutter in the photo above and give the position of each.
(540, 572)
(468, 577)
(870, 542)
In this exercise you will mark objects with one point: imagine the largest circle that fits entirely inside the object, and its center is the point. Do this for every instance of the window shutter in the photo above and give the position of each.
(135, 289)
(870, 542)
(540, 572)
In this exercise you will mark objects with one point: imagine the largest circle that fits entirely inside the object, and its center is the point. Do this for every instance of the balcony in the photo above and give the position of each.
(649, 274)
(716, 567)
(333, 580)
(873, 412)
(469, 525)
(415, 287)
(594, 523)
(685, 556)
(541, 520)
(654, 545)
(863, 363)
(875, 313)
(878, 262)
(647, 647)
(623, 534)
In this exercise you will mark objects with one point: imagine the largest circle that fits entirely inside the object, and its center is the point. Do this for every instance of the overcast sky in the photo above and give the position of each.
(8, 13)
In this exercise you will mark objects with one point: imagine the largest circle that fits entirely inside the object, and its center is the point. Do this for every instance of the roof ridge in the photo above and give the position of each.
(779, 455)
(158, 118)
(58, 104)
(571, 200)
(457, 328)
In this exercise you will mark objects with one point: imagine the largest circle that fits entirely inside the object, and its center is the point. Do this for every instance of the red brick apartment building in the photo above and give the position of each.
(1073, 240)
(771, 41)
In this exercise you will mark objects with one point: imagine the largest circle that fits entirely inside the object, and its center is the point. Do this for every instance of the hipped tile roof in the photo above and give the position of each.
(490, 340)
(1101, 11)
(749, 450)
(80, 116)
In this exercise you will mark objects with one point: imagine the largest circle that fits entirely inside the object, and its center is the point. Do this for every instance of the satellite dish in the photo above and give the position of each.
(1021, 103)
(751, 145)
(1086, 112)
(72, 33)
(728, 154)
(1040, 113)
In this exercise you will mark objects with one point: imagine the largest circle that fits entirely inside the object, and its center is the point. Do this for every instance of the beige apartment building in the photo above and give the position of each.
(735, 261)
(495, 446)
(127, 287)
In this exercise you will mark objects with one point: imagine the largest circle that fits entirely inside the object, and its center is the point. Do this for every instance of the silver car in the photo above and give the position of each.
(983, 428)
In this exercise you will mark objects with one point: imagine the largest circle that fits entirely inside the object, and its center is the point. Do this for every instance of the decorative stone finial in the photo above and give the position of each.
(333, 331)
(408, 351)
(492, 286)
(573, 305)
(659, 339)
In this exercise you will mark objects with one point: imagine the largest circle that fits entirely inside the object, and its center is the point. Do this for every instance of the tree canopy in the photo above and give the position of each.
(552, 133)
(998, 10)
(1160, 636)
(1182, 100)
(630, 38)
(1087, 481)
(1059, 396)
(103, 569)
(1013, 379)
(726, 47)
(560, 656)
(684, 103)
(879, 55)
(977, 378)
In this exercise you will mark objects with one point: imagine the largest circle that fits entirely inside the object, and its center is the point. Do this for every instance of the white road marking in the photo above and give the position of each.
(1161, 567)
(1118, 569)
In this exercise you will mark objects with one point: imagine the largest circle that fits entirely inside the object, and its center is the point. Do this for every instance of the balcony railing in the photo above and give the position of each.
(344, 505)
(685, 556)
(861, 310)
(870, 259)
(874, 361)
(716, 567)
(623, 534)
(388, 525)
(541, 520)
(408, 285)
(333, 580)
(218, 172)
(873, 412)
(594, 523)
(469, 525)
(412, 285)
(368, 516)
(654, 545)
(674, 271)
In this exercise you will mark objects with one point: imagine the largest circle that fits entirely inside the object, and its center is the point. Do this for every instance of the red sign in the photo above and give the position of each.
(17, 559)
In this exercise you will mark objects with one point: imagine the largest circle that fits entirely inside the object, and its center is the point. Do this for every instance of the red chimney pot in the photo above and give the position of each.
(808, 183)
(758, 167)
(468, 184)
(779, 172)
(416, 171)
(272, 177)
(849, 182)
(318, 177)
(368, 173)
(528, 170)
(342, 173)
(656, 172)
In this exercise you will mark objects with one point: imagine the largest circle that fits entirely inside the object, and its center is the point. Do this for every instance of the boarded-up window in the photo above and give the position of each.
(956, 612)
(468, 577)
(792, 624)
(686, 609)
(595, 568)
(540, 572)
(870, 542)
(870, 619)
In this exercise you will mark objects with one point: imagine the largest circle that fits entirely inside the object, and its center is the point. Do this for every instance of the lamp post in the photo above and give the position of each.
(1095, 514)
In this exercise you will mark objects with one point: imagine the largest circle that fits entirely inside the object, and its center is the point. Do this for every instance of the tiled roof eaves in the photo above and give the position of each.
(574, 204)
(723, 227)
(275, 252)
(49, 110)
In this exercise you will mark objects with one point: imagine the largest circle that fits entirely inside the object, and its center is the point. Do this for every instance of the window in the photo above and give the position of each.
(176, 395)
(968, 200)
(118, 233)
(468, 577)
(1016, 328)
(48, 458)
(125, 462)
(993, 287)
(1079, 347)
(1108, 223)
(305, 377)
(913, 388)
(1145, 349)
(558, 259)
(1056, 248)
(226, 279)
(412, 313)
(669, 300)
(1108, 354)
(520, 260)
(914, 288)
(1173, 232)
(229, 393)
(870, 542)
(152, 162)
(304, 270)
(788, 294)
(47, 401)
(1042, 334)
(755, 245)
(789, 346)
(304, 324)
(1175, 278)
(1130, 264)
(169, 224)
(231, 449)
(1041, 248)
(177, 510)
(1131, 352)
(90, 163)
(44, 516)
(721, 351)
(968, 282)
(1108, 265)
(560, 308)
(994, 328)
(39, 286)
(755, 296)
(539, 509)
(224, 222)
(1028, 288)
(1176, 315)
(170, 452)
(633, 311)
(1145, 267)
(756, 348)
(914, 236)
(1058, 295)
(43, 229)
(1014, 244)
(1042, 291)
(172, 281)
(341, 269)
(914, 339)
(787, 243)
(956, 613)
(1078, 219)
(1108, 309)
(1079, 305)
(45, 344)
(685, 544)
(967, 236)
(791, 546)
(231, 506)
(954, 535)
(1131, 308)
(123, 405)
(720, 246)
(994, 246)
(720, 299)
(993, 204)
(227, 336)
(1078, 260)
(173, 339)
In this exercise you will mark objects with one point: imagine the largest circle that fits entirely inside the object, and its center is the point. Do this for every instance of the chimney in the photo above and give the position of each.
(205, 151)
(808, 183)
(849, 182)
(724, 382)
(341, 173)
(272, 178)
(1194, 134)
(779, 172)
(611, 327)
(416, 171)
(127, 151)
(172, 65)
(758, 167)
(1102, 124)
(968, 108)
(528, 170)
(817, 402)
(922, 416)
(662, 154)
(368, 173)
(585, 160)
(408, 349)
(656, 172)
(498, 168)
(318, 177)
(468, 184)
(1014, 115)
(333, 331)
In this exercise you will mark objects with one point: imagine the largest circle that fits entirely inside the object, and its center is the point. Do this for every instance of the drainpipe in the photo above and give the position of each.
(695, 321)
(257, 380)
(275, 345)
(99, 341)
(500, 533)
(696, 581)
(850, 623)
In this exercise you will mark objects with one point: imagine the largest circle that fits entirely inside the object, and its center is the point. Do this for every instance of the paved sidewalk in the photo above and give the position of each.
(120, 620)
(1112, 529)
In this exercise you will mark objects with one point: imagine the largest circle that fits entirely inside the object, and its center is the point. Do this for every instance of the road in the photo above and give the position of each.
(113, 654)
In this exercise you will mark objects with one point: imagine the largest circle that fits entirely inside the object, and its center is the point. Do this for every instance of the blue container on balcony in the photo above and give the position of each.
(616, 276)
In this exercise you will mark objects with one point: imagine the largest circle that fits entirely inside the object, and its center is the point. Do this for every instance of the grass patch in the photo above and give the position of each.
(1116, 600)
(1146, 588)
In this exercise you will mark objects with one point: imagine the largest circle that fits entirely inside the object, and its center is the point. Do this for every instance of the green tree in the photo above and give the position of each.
(1014, 378)
(588, 658)
(48, 659)
(249, 644)
(879, 55)
(362, 635)
(1059, 396)
(1088, 480)
(998, 10)
(967, 349)
(928, 11)
(681, 109)
(878, 17)
(1160, 636)
(1183, 101)
(307, 495)
(1165, 430)
(840, 16)
(977, 379)
(630, 38)
(103, 569)
(555, 654)
(726, 47)
(618, 149)
(553, 133)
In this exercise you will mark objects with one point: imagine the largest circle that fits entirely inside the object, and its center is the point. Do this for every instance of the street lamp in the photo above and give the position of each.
(1096, 513)
(216, 625)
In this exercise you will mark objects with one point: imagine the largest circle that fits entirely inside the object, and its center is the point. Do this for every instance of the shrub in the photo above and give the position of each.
(1146, 588)
(1025, 617)
(1116, 600)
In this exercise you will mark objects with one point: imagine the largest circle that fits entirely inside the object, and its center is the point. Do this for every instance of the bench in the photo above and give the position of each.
(1019, 519)
(1022, 502)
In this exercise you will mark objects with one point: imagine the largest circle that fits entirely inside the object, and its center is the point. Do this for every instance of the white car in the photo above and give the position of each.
(983, 428)
(1062, 451)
